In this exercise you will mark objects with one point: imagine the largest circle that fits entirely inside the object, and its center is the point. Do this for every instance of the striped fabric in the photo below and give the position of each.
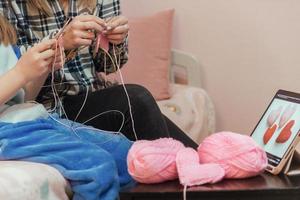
(80, 72)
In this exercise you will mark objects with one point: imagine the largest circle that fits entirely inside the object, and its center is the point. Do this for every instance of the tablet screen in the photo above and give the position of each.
(278, 127)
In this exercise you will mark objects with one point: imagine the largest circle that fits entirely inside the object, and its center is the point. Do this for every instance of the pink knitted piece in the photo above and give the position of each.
(191, 172)
(153, 161)
(239, 155)
(101, 42)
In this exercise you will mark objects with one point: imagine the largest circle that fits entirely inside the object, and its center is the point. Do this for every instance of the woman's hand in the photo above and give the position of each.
(35, 62)
(80, 31)
(117, 29)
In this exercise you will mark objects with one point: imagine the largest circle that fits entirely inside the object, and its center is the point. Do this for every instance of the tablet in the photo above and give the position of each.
(277, 132)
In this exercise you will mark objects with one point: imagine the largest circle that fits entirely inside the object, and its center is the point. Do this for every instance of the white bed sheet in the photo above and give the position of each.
(191, 109)
(31, 181)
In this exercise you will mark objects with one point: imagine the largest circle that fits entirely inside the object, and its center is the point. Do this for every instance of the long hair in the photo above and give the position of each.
(43, 6)
(7, 32)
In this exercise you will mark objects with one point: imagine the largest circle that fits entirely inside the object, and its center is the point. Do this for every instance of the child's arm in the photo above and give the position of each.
(10, 83)
(33, 65)
(33, 87)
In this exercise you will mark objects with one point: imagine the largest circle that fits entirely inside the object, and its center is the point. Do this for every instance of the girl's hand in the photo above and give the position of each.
(80, 31)
(35, 62)
(117, 29)
(58, 58)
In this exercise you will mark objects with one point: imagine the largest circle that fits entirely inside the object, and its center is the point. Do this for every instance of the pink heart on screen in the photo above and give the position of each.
(269, 133)
(286, 132)
(192, 173)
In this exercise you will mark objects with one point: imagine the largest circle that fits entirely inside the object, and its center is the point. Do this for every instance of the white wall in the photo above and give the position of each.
(247, 48)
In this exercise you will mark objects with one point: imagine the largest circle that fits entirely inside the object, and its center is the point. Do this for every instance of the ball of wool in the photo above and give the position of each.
(153, 161)
(239, 155)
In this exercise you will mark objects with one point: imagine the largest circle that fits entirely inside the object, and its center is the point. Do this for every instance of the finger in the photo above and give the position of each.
(109, 22)
(59, 56)
(110, 19)
(116, 37)
(118, 21)
(43, 46)
(47, 54)
(58, 66)
(83, 42)
(90, 26)
(118, 30)
(116, 42)
(47, 62)
(89, 18)
(85, 35)
(58, 59)
(54, 46)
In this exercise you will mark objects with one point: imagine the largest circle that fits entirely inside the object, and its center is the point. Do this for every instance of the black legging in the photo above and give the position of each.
(150, 123)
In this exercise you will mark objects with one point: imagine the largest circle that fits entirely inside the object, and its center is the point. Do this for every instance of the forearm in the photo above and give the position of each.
(10, 84)
(33, 88)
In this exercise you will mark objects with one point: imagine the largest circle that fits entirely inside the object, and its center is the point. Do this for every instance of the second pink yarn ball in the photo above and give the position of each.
(239, 155)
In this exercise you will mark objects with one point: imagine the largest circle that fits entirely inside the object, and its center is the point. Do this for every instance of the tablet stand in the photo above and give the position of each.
(292, 167)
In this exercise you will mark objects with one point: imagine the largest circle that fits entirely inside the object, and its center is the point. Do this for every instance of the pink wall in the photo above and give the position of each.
(247, 48)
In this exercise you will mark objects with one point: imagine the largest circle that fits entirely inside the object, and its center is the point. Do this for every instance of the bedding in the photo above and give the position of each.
(93, 161)
(191, 109)
(31, 181)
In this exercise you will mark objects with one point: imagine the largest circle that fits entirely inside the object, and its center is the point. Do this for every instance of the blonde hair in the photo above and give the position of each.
(7, 32)
(43, 6)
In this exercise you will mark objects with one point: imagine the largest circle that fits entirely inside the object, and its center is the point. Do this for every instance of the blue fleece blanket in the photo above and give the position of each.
(93, 161)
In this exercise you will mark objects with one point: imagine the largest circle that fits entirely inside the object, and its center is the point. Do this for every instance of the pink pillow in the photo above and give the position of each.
(149, 53)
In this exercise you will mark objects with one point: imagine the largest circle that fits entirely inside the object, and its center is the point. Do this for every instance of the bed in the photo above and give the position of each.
(190, 108)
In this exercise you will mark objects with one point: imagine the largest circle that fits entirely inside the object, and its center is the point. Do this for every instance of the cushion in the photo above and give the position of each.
(149, 53)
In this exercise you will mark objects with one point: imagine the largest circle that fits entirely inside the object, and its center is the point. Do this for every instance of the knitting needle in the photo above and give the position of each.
(61, 31)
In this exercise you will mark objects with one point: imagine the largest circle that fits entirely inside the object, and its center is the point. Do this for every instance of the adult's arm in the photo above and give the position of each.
(103, 62)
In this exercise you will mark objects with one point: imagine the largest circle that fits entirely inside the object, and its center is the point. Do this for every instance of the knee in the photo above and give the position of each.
(137, 90)
(140, 96)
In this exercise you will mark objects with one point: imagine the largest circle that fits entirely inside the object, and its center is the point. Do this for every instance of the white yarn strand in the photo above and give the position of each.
(58, 102)
(184, 192)
(125, 90)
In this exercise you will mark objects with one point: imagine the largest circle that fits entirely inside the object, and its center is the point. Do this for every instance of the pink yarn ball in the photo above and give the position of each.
(153, 161)
(239, 155)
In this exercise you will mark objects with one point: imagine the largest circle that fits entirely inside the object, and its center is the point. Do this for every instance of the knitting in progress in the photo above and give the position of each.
(91, 160)
(101, 43)
(221, 155)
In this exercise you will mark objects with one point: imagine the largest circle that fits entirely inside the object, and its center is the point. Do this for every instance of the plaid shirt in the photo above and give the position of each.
(80, 73)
